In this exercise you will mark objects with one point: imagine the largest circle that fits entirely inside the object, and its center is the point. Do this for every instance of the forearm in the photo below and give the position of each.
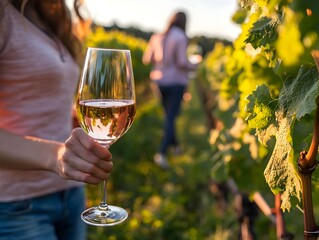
(148, 56)
(28, 153)
(79, 158)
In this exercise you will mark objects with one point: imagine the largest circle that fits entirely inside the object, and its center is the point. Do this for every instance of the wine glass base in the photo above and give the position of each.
(111, 216)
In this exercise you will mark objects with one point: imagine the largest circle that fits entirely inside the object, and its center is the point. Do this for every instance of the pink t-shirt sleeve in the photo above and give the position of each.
(37, 89)
(148, 56)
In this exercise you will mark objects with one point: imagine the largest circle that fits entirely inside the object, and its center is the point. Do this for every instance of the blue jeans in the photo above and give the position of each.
(171, 100)
(51, 217)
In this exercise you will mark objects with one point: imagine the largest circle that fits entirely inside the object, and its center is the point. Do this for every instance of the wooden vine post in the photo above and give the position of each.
(306, 165)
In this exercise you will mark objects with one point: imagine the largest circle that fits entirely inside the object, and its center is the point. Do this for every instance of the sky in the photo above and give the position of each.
(211, 18)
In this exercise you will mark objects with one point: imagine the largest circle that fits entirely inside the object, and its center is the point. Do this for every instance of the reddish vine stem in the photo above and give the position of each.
(310, 227)
(306, 165)
(280, 226)
(280, 222)
(309, 160)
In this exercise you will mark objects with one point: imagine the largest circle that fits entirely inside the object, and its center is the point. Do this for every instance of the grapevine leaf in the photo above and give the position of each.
(260, 108)
(297, 98)
(281, 173)
(263, 32)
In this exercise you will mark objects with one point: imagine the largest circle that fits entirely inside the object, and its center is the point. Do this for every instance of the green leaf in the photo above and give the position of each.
(297, 97)
(263, 32)
(260, 108)
(281, 173)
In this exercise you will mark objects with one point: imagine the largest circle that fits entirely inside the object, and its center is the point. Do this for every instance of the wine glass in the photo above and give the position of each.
(106, 108)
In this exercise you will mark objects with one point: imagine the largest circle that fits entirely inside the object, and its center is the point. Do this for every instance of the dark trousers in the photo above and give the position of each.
(171, 100)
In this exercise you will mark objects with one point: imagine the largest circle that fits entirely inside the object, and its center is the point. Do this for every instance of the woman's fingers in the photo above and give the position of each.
(92, 152)
(90, 144)
(84, 159)
(76, 163)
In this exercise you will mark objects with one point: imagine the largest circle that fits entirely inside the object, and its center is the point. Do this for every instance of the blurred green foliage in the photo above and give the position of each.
(173, 204)
(179, 203)
(275, 45)
(263, 92)
(120, 40)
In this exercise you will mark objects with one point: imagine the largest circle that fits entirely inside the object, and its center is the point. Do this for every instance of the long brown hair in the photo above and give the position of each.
(177, 20)
(57, 16)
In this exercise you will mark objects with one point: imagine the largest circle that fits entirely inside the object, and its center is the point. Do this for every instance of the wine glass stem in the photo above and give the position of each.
(103, 204)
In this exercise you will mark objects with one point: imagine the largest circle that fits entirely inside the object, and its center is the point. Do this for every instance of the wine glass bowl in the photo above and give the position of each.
(106, 108)
(106, 120)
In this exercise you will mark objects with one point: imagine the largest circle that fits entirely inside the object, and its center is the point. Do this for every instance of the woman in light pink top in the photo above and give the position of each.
(167, 52)
(40, 154)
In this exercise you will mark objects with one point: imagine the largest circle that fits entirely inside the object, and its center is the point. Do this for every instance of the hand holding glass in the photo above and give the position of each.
(106, 108)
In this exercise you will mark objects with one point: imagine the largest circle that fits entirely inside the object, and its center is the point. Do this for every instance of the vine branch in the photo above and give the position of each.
(307, 164)
(307, 160)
